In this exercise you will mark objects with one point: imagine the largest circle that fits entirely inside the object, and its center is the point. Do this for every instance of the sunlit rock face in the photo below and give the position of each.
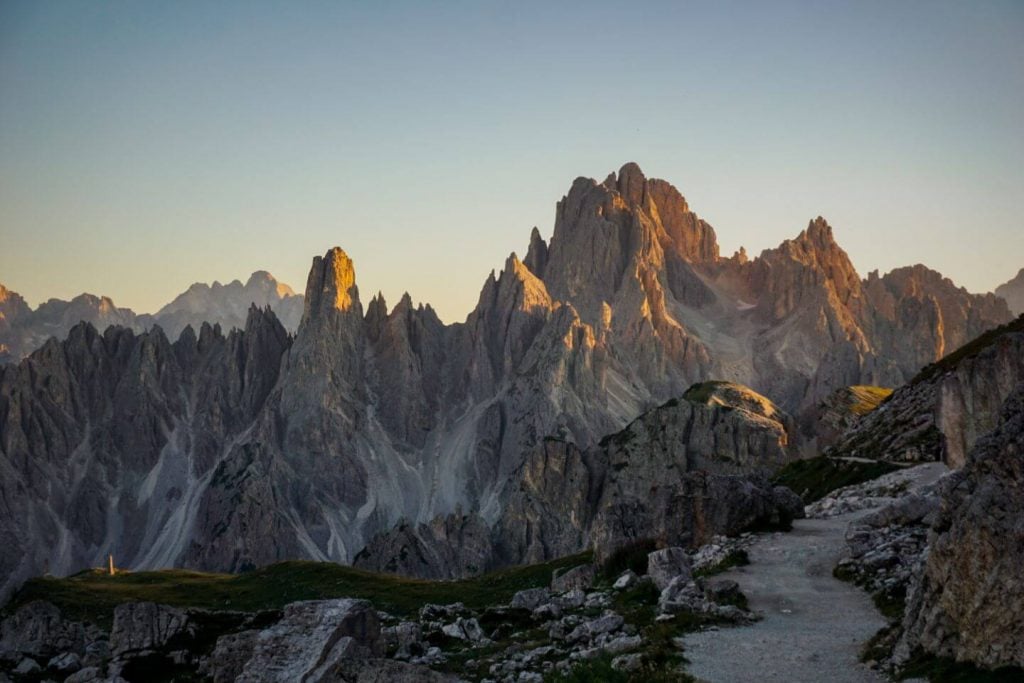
(229, 452)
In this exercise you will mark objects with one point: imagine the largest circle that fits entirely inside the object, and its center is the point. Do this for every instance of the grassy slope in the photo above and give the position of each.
(866, 398)
(92, 595)
(815, 478)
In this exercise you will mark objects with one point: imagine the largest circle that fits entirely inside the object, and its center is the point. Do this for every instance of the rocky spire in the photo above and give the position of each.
(537, 255)
(331, 286)
(632, 184)
(376, 316)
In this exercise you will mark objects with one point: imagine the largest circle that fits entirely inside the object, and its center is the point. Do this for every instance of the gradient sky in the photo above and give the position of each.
(146, 146)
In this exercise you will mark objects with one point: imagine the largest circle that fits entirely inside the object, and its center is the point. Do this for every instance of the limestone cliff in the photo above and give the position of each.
(108, 442)
(942, 412)
(678, 474)
(967, 604)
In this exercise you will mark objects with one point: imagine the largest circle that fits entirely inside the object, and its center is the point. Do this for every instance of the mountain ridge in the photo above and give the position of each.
(274, 446)
(22, 329)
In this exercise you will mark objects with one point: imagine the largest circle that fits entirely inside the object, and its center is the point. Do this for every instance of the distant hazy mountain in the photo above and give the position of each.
(1013, 292)
(23, 330)
(229, 304)
(226, 451)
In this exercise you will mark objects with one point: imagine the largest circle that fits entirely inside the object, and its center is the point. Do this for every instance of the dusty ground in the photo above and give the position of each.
(813, 626)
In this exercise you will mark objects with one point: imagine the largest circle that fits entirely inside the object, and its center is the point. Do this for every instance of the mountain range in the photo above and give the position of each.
(227, 451)
(23, 330)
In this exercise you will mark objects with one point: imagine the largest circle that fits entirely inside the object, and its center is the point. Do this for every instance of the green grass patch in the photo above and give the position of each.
(736, 558)
(92, 595)
(815, 478)
(939, 670)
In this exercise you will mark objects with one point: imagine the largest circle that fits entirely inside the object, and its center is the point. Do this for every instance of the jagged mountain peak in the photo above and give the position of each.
(323, 439)
(631, 183)
(263, 280)
(331, 285)
(537, 253)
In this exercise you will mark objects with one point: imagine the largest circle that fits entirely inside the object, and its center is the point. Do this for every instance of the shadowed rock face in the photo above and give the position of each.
(228, 452)
(450, 547)
(678, 475)
(968, 604)
(109, 440)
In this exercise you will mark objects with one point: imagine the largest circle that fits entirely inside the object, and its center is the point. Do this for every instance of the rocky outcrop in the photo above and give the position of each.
(967, 603)
(842, 410)
(943, 411)
(312, 641)
(144, 627)
(692, 468)
(39, 630)
(679, 474)
(1013, 293)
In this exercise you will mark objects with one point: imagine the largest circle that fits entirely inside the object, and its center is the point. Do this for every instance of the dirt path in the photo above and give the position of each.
(814, 625)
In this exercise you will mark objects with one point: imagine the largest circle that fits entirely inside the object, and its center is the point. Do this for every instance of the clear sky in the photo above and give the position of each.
(148, 145)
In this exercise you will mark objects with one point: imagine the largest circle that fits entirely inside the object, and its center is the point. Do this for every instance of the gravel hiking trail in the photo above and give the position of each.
(814, 625)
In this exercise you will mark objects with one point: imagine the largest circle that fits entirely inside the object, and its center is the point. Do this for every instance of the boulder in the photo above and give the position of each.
(626, 580)
(38, 629)
(464, 629)
(87, 674)
(229, 656)
(666, 564)
(682, 594)
(531, 598)
(27, 667)
(404, 640)
(66, 663)
(579, 577)
(143, 627)
(721, 590)
(312, 639)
